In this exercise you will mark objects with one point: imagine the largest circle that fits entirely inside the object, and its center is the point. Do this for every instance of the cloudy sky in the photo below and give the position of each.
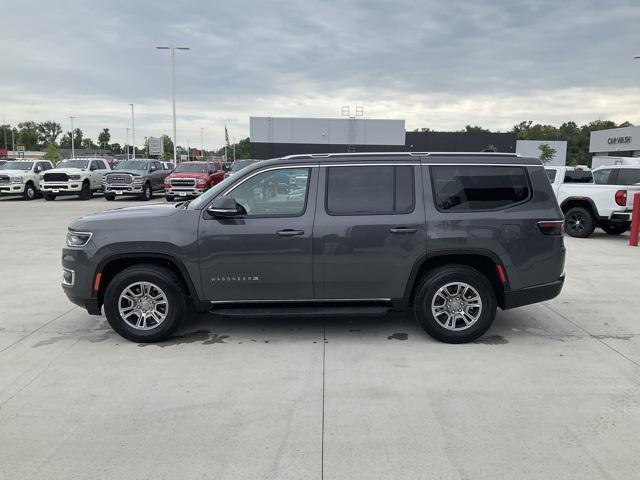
(437, 64)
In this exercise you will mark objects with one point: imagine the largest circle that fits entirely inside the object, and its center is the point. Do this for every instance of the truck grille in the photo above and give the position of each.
(55, 177)
(183, 182)
(119, 179)
(4, 179)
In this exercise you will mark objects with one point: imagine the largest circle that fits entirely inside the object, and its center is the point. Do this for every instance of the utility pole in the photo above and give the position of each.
(201, 144)
(133, 131)
(173, 89)
(4, 129)
(127, 143)
(73, 148)
(233, 139)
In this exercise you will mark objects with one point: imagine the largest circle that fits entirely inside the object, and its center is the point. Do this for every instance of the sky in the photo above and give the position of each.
(435, 64)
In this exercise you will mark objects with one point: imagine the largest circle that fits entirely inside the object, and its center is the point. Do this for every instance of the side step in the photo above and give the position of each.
(293, 311)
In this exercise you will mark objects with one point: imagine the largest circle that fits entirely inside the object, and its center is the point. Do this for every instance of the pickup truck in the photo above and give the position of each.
(587, 205)
(74, 176)
(22, 177)
(192, 179)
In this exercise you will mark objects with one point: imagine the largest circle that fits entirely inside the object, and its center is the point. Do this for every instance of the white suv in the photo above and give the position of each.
(22, 177)
(75, 176)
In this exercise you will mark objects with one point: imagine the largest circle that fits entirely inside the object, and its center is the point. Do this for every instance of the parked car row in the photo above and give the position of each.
(137, 177)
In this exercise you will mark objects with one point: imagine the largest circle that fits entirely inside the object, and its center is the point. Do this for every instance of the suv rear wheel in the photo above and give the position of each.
(145, 303)
(579, 222)
(455, 304)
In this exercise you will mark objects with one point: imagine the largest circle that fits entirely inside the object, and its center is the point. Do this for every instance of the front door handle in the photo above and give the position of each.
(289, 232)
(403, 230)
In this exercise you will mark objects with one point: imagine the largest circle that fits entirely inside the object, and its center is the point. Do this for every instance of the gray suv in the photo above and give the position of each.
(135, 177)
(449, 237)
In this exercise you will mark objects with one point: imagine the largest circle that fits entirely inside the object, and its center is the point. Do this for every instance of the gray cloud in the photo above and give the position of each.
(437, 64)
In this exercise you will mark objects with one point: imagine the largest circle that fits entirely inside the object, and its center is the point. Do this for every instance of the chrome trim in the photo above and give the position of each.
(378, 164)
(73, 277)
(397, 154)
(306, 300)
(482, 164)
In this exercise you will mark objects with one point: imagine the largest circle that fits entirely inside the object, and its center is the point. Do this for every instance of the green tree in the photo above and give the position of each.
(65, 141)
(104, 137)
(116, 148)
(52, 152)
(48, 132)
(475, 129)
(88, 143)
(547, 152)
(28, 135)
(243, 150)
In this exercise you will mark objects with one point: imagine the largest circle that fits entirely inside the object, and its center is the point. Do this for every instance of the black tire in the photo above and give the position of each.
(168, 198)
(429, 290)
(85, 193)
(614, 228)
(29, 191)
(167, 281)
(579, 222)
(49, 197)
(147, 193)
(109, 197)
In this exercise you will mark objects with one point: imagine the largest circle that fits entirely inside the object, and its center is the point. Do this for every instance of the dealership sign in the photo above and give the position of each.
(156, 146)
(618, 140)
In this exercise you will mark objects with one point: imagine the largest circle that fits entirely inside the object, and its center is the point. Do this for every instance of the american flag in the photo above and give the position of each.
(226, 136)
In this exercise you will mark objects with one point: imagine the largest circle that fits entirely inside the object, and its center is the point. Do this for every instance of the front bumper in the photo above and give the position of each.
(535, 294)
(60, 188)
(130, 189)
(80, 292)
(184, 192)
(11, 188)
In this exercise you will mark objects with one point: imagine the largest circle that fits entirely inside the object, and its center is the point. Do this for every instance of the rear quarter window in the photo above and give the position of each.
(460, 188)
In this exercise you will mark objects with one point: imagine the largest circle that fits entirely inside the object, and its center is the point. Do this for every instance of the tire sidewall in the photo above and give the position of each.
(433, 282)
(175, 298)
(147, 193)
(589, 225)
(29, 187)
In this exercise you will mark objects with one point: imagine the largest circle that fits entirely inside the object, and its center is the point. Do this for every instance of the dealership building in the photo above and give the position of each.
(273, 137)
(619, 142)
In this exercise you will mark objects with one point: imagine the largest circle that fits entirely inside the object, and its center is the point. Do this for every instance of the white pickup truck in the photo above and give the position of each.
(74, 176)
(587, 205)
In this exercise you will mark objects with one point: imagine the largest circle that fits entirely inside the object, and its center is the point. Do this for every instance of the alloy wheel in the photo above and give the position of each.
(456, 306)
(143, 305)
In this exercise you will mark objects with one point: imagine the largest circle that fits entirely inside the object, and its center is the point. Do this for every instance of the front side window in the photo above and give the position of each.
(628, 176)
(280, 192)
(602, 176)
(370, 190)
(462, 188)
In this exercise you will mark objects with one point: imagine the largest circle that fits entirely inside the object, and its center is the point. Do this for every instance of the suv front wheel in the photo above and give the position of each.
(145, 303)
(455, 304)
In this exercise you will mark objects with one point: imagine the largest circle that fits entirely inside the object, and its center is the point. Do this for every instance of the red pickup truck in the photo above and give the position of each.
(191, 179)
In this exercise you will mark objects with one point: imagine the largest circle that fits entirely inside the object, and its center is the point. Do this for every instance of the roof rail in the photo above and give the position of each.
(414, 154)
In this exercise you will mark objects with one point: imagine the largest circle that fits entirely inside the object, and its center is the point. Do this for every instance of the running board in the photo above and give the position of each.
(293, 311)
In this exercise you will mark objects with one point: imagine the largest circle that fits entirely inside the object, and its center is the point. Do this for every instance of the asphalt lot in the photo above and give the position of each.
(552, 391)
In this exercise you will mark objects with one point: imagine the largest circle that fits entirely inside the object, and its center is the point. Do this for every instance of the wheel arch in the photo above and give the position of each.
(571, 202)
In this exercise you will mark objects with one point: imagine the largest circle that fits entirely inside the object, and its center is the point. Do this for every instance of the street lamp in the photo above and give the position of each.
(127, 143)
(133, 131)
(173, 89)
(73, 150)
(201, 144)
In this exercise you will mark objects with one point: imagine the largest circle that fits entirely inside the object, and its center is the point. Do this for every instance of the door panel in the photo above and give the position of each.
(366, 256)
(265, 255)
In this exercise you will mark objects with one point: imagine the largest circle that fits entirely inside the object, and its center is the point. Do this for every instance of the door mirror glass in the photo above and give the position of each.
(225, 207)
(38, 169)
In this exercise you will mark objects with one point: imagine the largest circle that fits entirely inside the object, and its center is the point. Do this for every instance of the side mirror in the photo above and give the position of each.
(224, 207)
(38, 169)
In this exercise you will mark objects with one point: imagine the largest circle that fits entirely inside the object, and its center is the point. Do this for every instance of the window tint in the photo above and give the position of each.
(602, 176)
(281, 192)
(45, 166)
(578, 176)
(100, 165)
(370, 190)
(551, 174)
(462, 188)
(628, 176)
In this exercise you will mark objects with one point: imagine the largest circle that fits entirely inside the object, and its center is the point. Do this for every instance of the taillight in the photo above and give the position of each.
(621, 197)
(551, 227)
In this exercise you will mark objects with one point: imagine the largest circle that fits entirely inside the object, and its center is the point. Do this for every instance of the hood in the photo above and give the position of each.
(67, 170)
(188, 175)
(131, 172)
(13, 173)
(122, 216)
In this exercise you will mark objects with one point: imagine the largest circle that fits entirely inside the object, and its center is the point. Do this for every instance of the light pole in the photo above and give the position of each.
(133, 131)
(201, 143)
(233, 139)
(173, 49)
(127, 143)
(73, 149)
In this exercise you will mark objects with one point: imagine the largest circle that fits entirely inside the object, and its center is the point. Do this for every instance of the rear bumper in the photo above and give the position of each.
(535, 294)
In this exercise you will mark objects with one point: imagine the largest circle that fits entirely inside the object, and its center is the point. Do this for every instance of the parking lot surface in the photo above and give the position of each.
(551, 391)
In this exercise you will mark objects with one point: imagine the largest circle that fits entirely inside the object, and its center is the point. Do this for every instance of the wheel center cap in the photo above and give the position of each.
(145, 304)
(456, 304)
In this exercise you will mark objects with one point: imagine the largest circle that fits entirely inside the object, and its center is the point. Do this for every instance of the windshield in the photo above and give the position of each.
(17, 166)
(240, 164)
(132, 165)
(73, 164)
(191, 167)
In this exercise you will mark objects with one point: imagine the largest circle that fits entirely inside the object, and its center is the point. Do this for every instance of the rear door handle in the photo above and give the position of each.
(289, 232)
(403, 230)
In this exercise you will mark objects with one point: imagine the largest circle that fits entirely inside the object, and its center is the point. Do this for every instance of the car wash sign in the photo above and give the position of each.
(624, 139)
(619, 140)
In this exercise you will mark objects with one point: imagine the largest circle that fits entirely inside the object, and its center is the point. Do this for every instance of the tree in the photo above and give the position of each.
(88, 143)
(547, 152)
(65, 142)
(28, 135)
(104, 137)
(116, 148)
(52, 152)
(243, 150)
(48, 132)
(475, 129)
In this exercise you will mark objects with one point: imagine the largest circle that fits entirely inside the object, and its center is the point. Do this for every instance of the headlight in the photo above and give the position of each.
(16, 179)
(137, 179)
(201, 181)
(74, 177)
(78, 239)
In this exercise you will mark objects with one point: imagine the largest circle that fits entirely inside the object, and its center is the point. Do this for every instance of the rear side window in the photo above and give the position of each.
(602, 176)
(370, 190)
(578, 176)
(628, 176)
(462, 188)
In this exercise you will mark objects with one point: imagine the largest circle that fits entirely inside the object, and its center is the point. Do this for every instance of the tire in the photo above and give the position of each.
(442, 283)
(49, 197)
(85, 193)
(168, 199)
(614, 228)
(164, 284)
(147, 193)
(109, 197)
(29, 192)
(579, 222)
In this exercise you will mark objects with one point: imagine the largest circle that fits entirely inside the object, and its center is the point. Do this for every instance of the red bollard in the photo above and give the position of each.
(635, 221)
